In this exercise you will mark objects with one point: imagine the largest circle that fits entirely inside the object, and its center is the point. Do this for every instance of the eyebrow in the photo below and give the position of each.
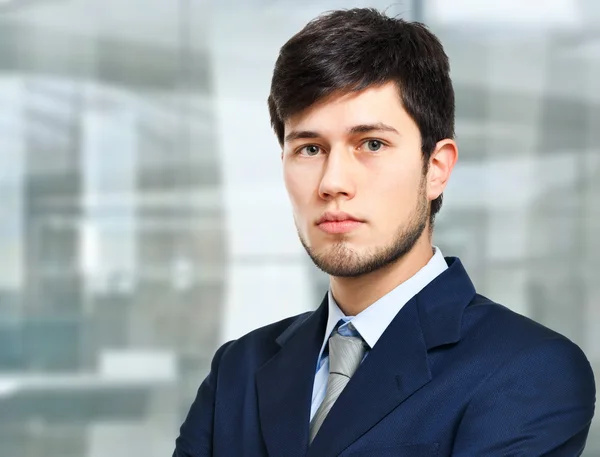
(377, 127)
(362, 128)
(300, 135)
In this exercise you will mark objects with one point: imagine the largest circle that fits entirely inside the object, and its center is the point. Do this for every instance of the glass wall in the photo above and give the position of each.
(144, 218)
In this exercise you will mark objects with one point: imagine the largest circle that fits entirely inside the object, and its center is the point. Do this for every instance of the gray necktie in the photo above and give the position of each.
(345, 355)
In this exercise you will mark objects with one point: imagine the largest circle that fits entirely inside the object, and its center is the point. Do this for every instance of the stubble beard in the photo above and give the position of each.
(341, 260)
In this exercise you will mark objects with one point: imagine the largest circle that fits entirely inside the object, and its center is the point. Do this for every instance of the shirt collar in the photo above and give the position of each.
(372, 322)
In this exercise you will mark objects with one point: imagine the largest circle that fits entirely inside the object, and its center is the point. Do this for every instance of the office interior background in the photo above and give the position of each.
(144, 220)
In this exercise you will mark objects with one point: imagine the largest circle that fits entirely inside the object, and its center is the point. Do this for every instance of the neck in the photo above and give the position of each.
(354, 295)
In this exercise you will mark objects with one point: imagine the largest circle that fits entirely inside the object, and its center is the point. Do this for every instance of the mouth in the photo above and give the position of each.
(338, 222)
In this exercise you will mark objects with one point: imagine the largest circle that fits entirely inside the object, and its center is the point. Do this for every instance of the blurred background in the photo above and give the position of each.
(144, 219)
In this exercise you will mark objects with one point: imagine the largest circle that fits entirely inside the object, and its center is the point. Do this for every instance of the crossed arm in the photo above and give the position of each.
(540, 403)
(196, 433)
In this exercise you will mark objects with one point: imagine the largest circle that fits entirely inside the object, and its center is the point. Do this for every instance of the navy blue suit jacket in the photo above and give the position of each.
(454, 374)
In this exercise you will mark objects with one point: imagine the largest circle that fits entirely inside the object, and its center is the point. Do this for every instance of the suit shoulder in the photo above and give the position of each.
(496, 321)
(501, 333)
(261, 343)
(522, 352)
(276, 329)
(497, 336)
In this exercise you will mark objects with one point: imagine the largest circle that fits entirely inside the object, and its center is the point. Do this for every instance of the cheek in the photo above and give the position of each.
(395, 191)
(298, 188)
(397, 176)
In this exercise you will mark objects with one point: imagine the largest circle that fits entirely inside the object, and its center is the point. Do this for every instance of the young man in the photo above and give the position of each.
(403, 357)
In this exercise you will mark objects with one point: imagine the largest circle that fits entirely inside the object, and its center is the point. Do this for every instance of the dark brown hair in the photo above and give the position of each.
(351, 50)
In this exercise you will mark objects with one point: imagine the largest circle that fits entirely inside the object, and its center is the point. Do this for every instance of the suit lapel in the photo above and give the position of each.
(285, 384)
(394, 369)
(398, 365)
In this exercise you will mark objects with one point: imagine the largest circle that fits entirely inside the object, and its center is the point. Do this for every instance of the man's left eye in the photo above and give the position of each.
(374, 145)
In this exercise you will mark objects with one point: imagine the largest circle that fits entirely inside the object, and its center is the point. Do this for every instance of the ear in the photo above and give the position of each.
(441, 163)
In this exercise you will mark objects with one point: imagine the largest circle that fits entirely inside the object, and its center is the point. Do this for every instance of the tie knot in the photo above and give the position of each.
(345, 353)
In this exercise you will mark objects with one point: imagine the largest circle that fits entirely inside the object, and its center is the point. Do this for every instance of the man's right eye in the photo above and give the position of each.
(310, 150)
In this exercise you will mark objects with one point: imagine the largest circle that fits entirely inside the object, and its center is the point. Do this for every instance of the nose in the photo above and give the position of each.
(337, 180)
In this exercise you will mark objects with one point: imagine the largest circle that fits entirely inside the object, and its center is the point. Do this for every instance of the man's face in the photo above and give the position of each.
(358, 154)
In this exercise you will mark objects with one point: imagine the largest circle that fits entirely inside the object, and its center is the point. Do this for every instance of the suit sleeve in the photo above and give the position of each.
(539, 403)
(196, 433)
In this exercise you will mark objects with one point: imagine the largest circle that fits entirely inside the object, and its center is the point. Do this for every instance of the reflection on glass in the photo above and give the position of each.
(141, 220)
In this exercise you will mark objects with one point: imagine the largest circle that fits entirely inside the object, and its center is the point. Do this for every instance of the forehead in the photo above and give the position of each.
(379, 104)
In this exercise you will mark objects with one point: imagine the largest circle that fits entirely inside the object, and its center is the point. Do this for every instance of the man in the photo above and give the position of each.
(403, 357)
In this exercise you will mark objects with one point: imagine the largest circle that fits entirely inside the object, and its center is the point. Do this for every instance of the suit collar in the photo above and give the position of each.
(285, 383)
(441, 304)
(398, 366)
(374, 320)
(307, 318)
(395, 369)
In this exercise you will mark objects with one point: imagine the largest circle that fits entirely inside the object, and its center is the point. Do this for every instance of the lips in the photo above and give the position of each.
(338, 222)
(338, 216)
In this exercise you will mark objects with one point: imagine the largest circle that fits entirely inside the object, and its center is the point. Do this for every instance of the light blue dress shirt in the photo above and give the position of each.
(371, 322)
